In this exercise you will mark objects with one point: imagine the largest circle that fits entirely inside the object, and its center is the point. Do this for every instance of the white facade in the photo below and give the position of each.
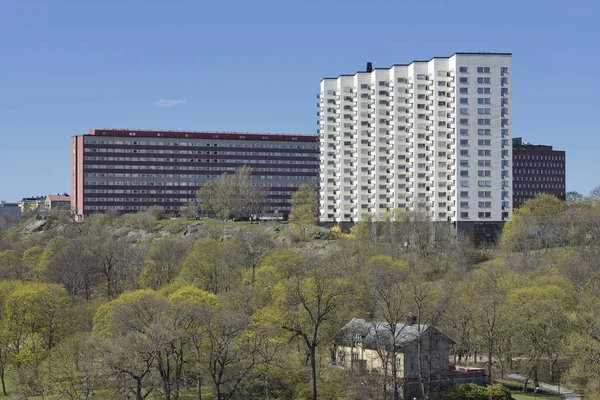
(431, 135)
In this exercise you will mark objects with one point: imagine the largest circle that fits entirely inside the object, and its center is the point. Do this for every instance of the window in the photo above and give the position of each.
(484, 111)
(504, 70)
(464, 100)
(484, 90)
(484, 80)
(466, 175)
(484, 121)
(484, 142)
(464, 194)
(463, 70)
(464, 142)
(464, 121)
(464, 90)
(464, 214)
(442, 103)
(464, 111)
(484, 183)
(421, 77)
(484, 193)
(484, 100)
(464, 131)
(485, 204)
(464, 79)
(484, 163)
(464, 153)
(484, 173)
(464, 163)
(483, 70)
(483, 153)
(484, 132)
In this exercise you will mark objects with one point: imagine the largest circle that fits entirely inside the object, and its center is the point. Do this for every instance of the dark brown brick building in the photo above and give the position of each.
(537, 169)
(129, 170)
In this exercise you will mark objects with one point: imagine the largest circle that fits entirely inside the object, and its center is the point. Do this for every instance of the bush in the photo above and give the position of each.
(471, 391)
(157, 212)
(189, 211)
(142, 220)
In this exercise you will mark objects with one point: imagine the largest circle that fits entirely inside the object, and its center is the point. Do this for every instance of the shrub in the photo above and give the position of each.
(157, 212)
(471, 391)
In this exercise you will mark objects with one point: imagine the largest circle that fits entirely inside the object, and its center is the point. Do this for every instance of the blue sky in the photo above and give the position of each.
(69, 65)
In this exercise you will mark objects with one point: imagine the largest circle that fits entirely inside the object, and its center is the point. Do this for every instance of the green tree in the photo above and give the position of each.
(539, 223)
(163, 262)
(390, 297)
(304, 208)
(574, 197)
(305, 305)
(6, 349)
(213, 266)
(539, 319)
(232, 195)
(71, 370)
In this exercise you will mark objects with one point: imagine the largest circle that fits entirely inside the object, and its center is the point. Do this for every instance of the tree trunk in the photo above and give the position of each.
(313, 371)
(138, 389)
(396, 394)
(2, 379)
(489, 369)
(199, 386)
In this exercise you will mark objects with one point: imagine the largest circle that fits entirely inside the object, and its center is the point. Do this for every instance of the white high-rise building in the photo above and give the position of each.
(430, 135)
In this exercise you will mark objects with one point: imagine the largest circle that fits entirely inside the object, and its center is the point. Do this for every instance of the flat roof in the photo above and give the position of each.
(432, 58)
(126, 132)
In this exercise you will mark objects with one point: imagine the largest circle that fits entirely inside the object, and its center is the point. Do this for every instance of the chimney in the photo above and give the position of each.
(411, 319)
(369, 67)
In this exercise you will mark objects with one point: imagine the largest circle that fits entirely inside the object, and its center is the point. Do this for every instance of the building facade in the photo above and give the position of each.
(10, 209)
(537, 169)
(32, 204)
(421, 353)
(55, 202)
(129, 170)
(430, 135)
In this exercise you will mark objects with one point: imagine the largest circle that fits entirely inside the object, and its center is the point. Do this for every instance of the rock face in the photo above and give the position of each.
(36, 226)
(193, 229)
(318, 233)
(137, 237)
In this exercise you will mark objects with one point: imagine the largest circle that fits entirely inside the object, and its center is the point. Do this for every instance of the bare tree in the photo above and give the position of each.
(232, 195)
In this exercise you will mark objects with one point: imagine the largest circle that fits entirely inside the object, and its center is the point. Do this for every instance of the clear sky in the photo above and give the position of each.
(70, 65)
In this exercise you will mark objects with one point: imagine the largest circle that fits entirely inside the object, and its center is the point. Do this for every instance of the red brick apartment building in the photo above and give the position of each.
(129, 170)
(537, 169)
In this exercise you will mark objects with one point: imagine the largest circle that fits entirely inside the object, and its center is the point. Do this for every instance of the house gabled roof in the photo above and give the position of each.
(54, 197)
(376, 334)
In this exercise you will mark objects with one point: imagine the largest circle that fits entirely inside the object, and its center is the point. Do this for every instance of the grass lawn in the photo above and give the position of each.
(516, 390)
(529, 396)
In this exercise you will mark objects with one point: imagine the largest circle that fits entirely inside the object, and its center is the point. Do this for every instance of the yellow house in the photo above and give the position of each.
(369, 346)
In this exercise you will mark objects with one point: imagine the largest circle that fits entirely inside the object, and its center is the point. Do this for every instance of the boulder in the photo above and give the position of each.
(193, 229)
(36, 226)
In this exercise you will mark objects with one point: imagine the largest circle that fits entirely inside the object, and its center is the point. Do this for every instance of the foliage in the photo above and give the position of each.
(471, 391)
(232, 195)
(158, 212)
(304, 208)
(250, 314)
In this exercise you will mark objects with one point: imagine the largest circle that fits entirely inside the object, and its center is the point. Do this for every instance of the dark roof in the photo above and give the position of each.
(432, 58)
(374, 334)
(150, 133)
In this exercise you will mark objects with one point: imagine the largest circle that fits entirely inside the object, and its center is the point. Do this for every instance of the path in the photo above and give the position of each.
(568, 393)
